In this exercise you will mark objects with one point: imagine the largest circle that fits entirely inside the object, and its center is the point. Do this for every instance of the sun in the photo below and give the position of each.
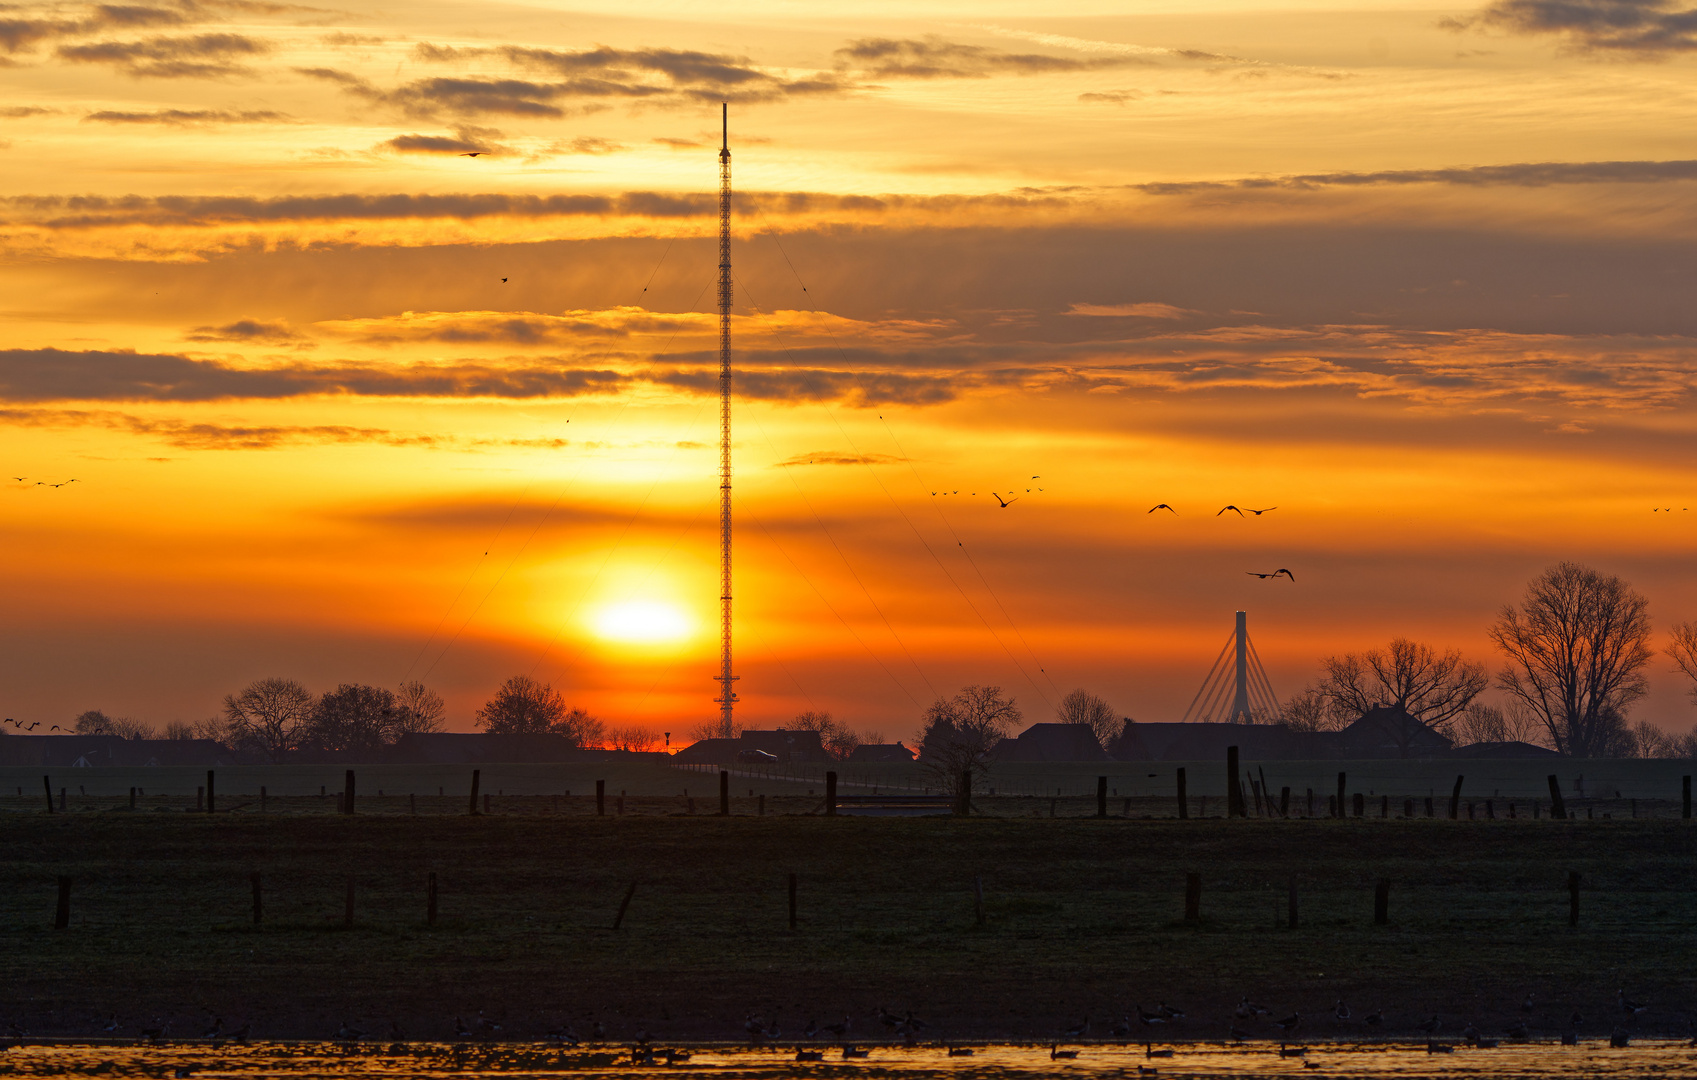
(642, 622)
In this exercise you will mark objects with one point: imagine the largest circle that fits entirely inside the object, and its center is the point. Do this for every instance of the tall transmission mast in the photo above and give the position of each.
(727, 692)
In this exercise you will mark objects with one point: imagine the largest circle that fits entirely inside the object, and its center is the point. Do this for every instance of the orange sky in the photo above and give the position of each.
(1421, 278)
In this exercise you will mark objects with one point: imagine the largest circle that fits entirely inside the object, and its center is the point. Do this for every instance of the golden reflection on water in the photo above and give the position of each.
(440, 1060)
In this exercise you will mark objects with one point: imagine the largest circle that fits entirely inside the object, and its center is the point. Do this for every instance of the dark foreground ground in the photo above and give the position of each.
(1082, 918)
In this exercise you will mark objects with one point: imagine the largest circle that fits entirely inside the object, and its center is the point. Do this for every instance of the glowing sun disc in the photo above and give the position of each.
(642, 622)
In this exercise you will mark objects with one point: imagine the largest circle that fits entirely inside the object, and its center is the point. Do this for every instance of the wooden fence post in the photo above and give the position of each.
(792, 901)
(1360, 805)
(476, 779)
(1101, 796)
(1284, 802)
(486, 802)
(348, 799)
(1384, 806)
(623, 904)
(1193, 898)
(601, 802)
(830, 794)
(210, 796)
(262, 798)
(964, 808)
(762, 804)
(199, 798)
(1341, 811)
(1455, 799)
(1183, 800)
(258, 900)
(1573, 898)
(1685, 810)
(132, 798)
(47, 785)
(430, 900)
(62, 911)
(1558, 807)
(724, 793)
(348, 913)
(1382, 903)
(1295, 921)
(1234, 789)
(1408, 808)
(1429, 809)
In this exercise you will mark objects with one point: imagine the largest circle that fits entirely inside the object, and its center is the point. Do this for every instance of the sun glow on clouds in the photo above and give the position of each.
(642, 622)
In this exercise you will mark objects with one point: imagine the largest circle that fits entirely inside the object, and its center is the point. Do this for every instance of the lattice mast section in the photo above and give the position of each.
(727, 692)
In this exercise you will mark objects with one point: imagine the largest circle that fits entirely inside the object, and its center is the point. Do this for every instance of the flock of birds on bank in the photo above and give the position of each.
(762, 1031)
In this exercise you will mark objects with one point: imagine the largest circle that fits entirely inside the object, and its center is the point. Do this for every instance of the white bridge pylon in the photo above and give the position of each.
(1236, 689)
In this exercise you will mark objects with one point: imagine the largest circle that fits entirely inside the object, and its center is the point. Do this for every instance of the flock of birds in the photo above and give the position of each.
(763, 1031)
(44, 483)
(1003, 503)
(21, 727)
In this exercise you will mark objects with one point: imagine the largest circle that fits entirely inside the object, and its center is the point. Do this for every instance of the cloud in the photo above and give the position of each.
(679, 144)
(1134, 311)
(189, 117)
(464, 141)
(585, 144)
(858, 389)
(342, 40)
(516, 327)
(1111, 97)
(40, 375)
(935, 57)
(832, 457)
(1525, 174)
(198, 57)
(245, 330)
(19, 112)
(1646, 27)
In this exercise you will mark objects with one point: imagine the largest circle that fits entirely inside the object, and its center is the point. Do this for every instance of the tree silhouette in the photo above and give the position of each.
(1418, 684)
(270, 714)
(1576, 648)
(523, 706)
(958, 733)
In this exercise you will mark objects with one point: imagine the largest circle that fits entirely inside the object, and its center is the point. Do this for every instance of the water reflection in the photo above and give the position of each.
(437, 1060)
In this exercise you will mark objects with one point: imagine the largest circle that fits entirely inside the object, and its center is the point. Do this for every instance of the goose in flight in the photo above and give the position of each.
(1005, 502)
(1258, 513)
(1233, 509)
(1281, 571)
(1163, 506)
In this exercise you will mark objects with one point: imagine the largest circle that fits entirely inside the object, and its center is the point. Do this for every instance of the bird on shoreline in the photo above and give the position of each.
(1057, 1054)
(1148, 1018)
(1629, 1007)
(1289, 1023)
(1078, 1031)
(1432, 1026)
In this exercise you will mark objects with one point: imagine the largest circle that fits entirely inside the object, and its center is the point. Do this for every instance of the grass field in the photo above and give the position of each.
(1083, 917)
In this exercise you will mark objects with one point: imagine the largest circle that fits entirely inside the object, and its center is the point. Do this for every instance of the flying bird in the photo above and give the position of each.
(1258, 513)
(1163, 506)
(475, 153)
(55, 727)
(1274, 574)
(1005, 502)
(503, 281)
(1234, 509)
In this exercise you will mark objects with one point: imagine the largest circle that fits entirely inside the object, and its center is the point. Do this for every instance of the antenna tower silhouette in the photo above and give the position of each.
(1237, 673)
(727, 692)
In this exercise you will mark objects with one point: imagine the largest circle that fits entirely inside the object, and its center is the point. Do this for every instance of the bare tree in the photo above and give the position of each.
(354, 718)
(1682, 650)
(95, 722)
(834, 735)
(270, 714)
(179, 730)
(422, 710)
(710, 729)
(1082, 707)
(1576, 650)
(1646, 740)
(1312, 710)
(1482, 723)
(1410, 677)
(958, 733)
(523, 706)
(631, 737)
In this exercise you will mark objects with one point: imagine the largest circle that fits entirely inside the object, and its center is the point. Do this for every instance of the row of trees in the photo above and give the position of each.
(1575, 651)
